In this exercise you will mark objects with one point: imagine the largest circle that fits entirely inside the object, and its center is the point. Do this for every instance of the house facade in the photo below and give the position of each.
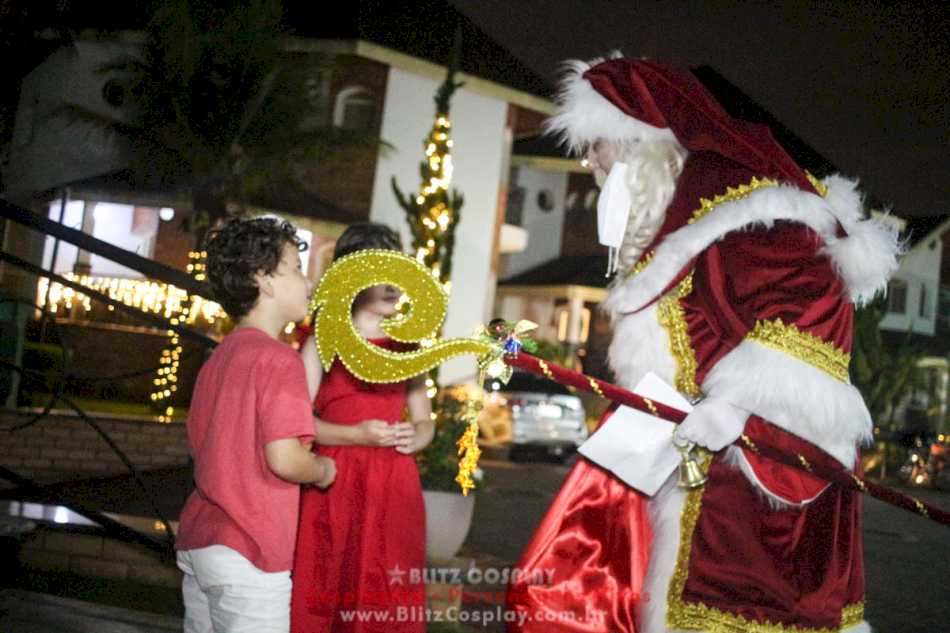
(918, 316)
(72, 172)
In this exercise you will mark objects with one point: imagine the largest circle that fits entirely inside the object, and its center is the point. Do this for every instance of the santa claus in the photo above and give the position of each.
(737, 275)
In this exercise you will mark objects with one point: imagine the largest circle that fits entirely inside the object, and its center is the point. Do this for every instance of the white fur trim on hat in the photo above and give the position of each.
(868, 256)
(585, 116)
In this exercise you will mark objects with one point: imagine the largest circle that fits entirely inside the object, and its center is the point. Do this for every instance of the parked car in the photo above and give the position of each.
(533, 415)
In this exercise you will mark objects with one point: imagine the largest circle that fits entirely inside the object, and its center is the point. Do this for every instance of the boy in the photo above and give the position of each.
(249, 430)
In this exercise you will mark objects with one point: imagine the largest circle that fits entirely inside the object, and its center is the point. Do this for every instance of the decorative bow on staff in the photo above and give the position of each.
(499, 348)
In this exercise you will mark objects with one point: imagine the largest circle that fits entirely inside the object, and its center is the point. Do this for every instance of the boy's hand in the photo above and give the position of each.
(376, 433)
(328, 468)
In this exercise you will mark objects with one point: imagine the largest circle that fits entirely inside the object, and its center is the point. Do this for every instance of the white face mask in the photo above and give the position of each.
(613, 211)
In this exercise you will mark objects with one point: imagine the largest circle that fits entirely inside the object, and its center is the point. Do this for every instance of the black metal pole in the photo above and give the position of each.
(64, 199)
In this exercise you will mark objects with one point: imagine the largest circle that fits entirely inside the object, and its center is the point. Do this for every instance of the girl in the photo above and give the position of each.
(361, 544)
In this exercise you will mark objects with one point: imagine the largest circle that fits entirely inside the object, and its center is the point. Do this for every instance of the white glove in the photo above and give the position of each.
(713, 423)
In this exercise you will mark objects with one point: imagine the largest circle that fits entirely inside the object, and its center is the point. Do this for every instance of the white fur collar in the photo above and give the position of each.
(864, 260)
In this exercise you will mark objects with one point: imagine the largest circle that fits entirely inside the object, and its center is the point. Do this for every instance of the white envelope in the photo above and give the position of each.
(637, 446)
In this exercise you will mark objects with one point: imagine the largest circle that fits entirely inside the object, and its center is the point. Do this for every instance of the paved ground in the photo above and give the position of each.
(907, 558)
(28, 612)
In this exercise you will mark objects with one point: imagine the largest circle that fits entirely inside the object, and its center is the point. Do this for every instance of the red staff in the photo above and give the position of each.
(836, 475)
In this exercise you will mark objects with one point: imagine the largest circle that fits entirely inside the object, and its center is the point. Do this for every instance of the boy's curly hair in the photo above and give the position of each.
(366, 235)
(239, 250)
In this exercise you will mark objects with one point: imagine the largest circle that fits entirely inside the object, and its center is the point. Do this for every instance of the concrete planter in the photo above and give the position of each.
(448, 519)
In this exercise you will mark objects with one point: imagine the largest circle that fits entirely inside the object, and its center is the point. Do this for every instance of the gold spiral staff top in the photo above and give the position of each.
(336, 336)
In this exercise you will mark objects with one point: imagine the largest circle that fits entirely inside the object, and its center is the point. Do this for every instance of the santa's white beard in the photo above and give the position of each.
(652, 170)
(642, 228)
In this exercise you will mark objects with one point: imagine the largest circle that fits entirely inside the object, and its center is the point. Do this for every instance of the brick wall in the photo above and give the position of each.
(60, 447)
(345, 178)
(87, 553)
(101, 351)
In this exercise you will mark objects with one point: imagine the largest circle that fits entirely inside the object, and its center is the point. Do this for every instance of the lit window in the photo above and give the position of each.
(132, 228)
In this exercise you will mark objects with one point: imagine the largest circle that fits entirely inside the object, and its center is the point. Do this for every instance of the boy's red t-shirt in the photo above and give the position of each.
(253, 390)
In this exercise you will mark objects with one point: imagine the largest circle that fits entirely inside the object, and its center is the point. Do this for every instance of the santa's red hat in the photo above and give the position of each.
(623, 99)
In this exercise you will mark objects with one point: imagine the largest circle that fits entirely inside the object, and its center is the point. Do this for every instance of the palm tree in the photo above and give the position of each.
(218, 106)
(882, 373)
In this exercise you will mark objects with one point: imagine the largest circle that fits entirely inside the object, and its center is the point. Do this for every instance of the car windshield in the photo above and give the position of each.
(521, 381)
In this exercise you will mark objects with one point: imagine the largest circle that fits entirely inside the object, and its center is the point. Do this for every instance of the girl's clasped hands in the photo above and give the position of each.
(402, 435)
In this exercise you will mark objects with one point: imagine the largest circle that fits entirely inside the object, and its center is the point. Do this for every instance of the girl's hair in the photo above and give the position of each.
(366, 235)
(241, 249)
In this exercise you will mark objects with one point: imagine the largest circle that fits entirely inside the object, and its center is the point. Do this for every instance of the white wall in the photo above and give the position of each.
(544, 227)
(919, 268)
(478, 124)
(541, 310)
(49, 149)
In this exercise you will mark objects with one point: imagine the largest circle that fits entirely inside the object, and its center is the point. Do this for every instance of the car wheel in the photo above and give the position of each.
(570, 458)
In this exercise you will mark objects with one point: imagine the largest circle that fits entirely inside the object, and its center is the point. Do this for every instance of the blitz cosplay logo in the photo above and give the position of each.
(471, 576)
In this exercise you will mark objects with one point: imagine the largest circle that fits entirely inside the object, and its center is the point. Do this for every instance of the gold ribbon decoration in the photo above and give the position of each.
(336, 336)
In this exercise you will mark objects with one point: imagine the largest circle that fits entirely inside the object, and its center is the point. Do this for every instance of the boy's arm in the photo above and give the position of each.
(366, 433)
(415, 435)
(292, 461)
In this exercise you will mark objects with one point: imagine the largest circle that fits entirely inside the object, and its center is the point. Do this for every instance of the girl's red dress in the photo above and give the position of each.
(361, 543)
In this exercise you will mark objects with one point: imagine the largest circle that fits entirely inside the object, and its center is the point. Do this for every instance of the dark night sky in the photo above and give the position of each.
(865, 83)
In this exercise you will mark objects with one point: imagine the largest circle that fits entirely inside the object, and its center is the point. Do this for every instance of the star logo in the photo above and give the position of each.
(395, 575)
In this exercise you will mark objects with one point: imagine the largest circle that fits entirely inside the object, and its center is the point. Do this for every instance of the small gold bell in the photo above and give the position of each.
(690, 473)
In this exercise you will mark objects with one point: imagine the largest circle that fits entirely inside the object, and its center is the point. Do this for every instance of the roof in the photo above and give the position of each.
(424, 30)
(920, 228)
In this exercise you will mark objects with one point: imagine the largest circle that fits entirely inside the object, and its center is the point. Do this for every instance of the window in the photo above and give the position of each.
(355, 109)
(114, 93)
(897, 296)
(514, 211)
(316, 87)
(923, 309)
(26, 122)
(128, 227)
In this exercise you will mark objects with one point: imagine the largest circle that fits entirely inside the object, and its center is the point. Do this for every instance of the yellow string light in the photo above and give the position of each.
(168, 363)
(145, 295)
(151, 297)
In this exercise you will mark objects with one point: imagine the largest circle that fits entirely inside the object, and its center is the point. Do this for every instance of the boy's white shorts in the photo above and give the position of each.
(225, 593)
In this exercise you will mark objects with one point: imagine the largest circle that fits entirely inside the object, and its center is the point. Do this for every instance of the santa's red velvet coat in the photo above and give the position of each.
(746, 294)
